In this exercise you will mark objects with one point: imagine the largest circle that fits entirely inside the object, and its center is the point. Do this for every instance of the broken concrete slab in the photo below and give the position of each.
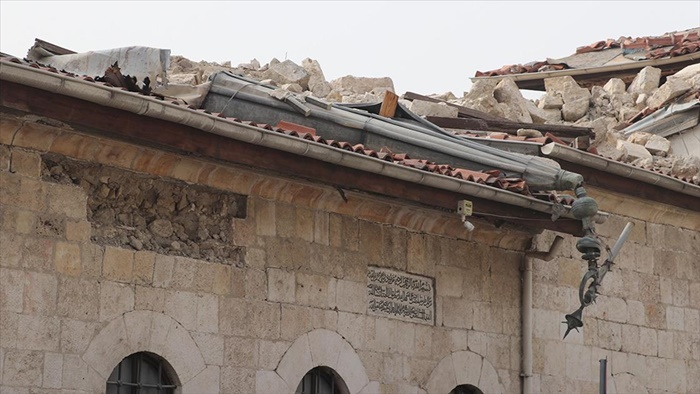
(427, 108)
(646, 81)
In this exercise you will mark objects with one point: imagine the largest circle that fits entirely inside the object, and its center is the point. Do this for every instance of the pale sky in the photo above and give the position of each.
(426, 47)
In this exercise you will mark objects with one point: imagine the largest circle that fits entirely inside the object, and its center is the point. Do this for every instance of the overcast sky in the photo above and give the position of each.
(426, 47)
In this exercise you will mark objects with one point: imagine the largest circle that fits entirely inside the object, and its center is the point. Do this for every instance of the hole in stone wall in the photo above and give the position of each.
(143, 212)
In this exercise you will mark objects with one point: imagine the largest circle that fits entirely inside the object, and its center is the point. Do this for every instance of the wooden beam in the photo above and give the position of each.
(388, 109)
(509, 127)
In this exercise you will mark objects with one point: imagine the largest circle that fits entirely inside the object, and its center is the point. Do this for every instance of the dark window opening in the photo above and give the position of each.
(321, 380)
(141, 373)
(466, 389)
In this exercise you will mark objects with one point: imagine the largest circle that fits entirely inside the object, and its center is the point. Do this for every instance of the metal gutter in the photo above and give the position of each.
(593, 70)
(598, 162)
(141, 105)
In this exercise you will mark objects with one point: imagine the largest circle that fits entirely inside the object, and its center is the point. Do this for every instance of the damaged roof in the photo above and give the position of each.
(595, 64)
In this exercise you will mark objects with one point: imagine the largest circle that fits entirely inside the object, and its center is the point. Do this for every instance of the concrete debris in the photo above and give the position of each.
(427, 108)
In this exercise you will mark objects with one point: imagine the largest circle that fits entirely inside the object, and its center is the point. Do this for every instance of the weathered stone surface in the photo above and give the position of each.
(288, 72)
(668, 91)
(549, 101)
(633, 151)
(646, 81)
(360, 85)
(317, 81)
(426, 108)
(508, 93)
(615, 85)
(573, 110)
(657, 145)
(531, 133)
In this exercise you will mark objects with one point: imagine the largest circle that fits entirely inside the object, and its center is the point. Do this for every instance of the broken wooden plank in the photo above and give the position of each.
(388, 108)
(509, 127)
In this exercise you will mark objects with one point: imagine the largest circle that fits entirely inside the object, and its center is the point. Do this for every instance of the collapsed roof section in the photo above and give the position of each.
(595, 64)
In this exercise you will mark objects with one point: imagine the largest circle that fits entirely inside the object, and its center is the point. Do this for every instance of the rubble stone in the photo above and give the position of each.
(359, 85)
(288, 72)
(639, 137)
(317, 81)
(531, 133)
(615, 86)
(646, 81)
(574, 110)
(668, 91)
(555, 86)
(507, 92)
(633, 151)
(658, 145)
(551, 102)
(427, 108)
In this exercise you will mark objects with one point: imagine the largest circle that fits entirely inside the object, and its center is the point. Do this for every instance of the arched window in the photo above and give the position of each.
(322, 380)
(466, 389)
(142, 373)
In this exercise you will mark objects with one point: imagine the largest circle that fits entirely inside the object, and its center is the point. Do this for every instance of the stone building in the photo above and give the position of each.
(204, 254)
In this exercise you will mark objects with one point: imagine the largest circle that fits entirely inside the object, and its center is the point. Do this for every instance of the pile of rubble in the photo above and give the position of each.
(607, 109)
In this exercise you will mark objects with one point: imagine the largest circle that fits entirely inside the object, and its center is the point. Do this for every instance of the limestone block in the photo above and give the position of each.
(530, 133)
(351, 296)
(488, 317)
(296, 320)
(360, 85)
(79, 375)
(614, 86)
(108, 347)
(38, 333)
(692, 320)
(281, 285)
(115, 300)
(160, 327)
(296, 362)
(549, 101)
(658, 146)
(144, 262)
(574, 109)
(25, 163)
(139, 324)
(163, 270)
(538, 115)
(239, 380)
(676, 376)
(359, 330)
(288, 72)
(645, 81)
(78, 230)
(675, 318)
(488, 381)
(206, 381)
(240, 352)
(405, 338)
(76, 335)
(375, 387)
(53, 371)
(270, 382)
(546, 324)
(211, 346)
(384, 335)
(325, 347)
(351, 369)
(11, 290)
(665, 344)
(182, 306)
(182, 353)
(427, 108)
(443, 378)
(312, 290)
(207, 313)
(183, 273)
(70, 201)
(508, 94)
(577, 365)
(467, 367)
(556, 86)
(8, 329)
(668, 91)
(118, 264)
(392, 369)
(633, 151)
(636, 314)
(78, 298)
(449, 281)
(609, 335)
(270, 353)
(648, 343)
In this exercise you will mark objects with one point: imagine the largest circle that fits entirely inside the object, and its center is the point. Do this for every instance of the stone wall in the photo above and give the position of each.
(77, 294)
(646, 321)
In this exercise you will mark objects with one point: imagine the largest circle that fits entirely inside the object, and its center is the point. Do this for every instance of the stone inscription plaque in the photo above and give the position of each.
(400, 295)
